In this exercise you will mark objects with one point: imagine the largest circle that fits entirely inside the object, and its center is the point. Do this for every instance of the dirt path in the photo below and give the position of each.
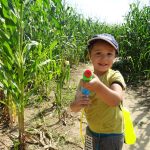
(138, 102)
(42, 122)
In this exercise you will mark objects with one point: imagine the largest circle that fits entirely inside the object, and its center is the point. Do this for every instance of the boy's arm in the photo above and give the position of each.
(111, 96)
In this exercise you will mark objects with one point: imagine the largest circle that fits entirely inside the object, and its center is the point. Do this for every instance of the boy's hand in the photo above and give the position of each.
(91, 85)
(80, 102)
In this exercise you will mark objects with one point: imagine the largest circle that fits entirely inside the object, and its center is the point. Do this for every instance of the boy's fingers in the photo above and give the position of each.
(84, 103)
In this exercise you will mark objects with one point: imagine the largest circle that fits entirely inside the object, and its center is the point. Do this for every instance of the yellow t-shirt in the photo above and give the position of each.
(101, 117)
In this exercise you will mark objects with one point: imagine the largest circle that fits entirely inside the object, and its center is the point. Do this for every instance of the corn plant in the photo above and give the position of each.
(63, 76)
(17, 70)
(136, 39)
(12, 63)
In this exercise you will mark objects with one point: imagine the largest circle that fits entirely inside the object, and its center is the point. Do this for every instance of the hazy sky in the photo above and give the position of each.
(110, 11)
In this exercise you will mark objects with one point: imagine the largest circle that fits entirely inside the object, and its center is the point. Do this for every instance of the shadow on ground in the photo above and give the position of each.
(139, 105)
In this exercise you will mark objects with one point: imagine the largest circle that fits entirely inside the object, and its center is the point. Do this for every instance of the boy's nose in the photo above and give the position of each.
(103, 57)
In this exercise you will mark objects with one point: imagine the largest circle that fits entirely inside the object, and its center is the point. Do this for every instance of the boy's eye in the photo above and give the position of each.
(98, 53)
(109, 54)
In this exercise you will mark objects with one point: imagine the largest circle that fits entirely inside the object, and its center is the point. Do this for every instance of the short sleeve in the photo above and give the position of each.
(117, 77)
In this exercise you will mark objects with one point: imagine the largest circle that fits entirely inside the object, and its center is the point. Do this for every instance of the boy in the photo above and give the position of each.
(102, 111)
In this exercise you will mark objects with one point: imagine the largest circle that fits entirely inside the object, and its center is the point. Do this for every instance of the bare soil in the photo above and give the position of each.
(46, 131)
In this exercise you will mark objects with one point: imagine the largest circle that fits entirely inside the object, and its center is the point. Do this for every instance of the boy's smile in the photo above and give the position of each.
(102, 56)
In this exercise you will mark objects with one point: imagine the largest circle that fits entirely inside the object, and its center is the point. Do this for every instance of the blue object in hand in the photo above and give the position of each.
(85, 91)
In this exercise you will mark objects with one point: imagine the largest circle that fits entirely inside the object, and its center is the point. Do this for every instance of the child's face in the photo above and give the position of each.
(102, 56)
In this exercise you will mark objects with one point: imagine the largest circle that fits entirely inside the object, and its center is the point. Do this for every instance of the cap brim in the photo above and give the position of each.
(101, 38)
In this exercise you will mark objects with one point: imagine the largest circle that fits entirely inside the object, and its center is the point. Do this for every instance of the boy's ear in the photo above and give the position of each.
(115, 59)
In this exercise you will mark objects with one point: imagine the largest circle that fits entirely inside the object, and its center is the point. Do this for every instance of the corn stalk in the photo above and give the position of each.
(14, 56)
(21, 81)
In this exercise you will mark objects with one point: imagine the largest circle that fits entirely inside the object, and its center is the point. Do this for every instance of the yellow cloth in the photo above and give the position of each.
(102, 118)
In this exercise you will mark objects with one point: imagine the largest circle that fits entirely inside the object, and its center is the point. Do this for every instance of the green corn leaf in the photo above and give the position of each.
(5, 3)
(32, 43)
(2, 20)
(58, 3)
(5, 13)
(28, 47)
(52, 46)
(14, 15)
(57, 24)
(9, 50)
(44, 63)
(5, 83)
(4, 35)
(15, 86)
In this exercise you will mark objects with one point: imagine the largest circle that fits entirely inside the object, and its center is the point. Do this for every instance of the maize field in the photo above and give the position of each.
(41, 41)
